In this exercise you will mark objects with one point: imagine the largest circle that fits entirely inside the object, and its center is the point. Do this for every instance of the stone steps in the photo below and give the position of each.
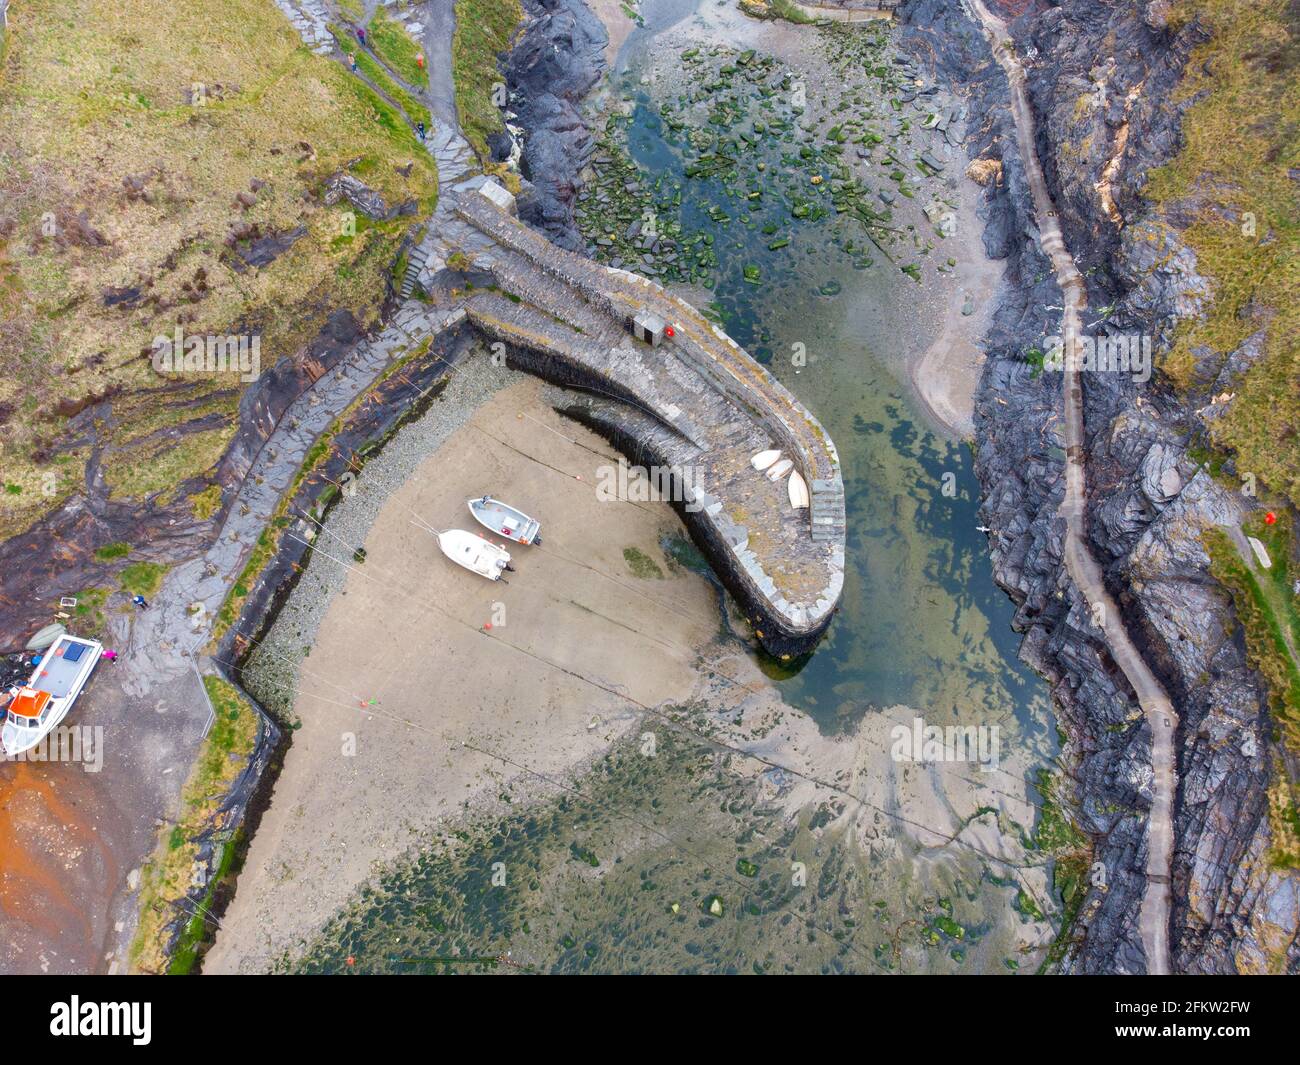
(526, 326)
(419, 256)
(826, 510)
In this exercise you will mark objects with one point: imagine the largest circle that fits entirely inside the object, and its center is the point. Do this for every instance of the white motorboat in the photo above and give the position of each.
(780, 470)
(475, 553)
(798, 490)
(764, 459)
(39, 705)
(505, 520)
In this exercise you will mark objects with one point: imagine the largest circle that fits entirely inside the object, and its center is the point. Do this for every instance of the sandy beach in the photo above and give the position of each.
(947, 373)
(428, 692)
(415, 658)
(617, 25)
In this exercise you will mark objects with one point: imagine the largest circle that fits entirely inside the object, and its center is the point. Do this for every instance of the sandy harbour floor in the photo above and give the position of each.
(573, 637)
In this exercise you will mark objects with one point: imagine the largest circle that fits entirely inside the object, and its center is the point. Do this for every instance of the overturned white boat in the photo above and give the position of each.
(780, 470)
(39, 705)
(475, 553)
(764, 459)
(505, 520)
(798, 491)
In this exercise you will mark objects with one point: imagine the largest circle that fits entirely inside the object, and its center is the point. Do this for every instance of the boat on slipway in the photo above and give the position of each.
(505, 520)
(39, 705)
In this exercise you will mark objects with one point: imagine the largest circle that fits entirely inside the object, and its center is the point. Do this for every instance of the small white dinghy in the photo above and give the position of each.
(764, 459)
(780, 470)
(798, 491)
(505, 520)
(475, 553)
(39, 705)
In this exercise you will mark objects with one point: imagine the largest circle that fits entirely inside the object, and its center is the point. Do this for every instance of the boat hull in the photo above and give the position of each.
(780, 470)
(505, 520)
(474, 553)
(798, 489)
(55, 684)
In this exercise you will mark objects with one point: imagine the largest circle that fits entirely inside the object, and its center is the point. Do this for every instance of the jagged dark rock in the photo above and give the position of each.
(557, 59)
(363, 198)
(1147, 502)
(262, 251)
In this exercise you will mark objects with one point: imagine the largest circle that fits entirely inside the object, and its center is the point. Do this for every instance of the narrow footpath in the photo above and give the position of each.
(1080, 564)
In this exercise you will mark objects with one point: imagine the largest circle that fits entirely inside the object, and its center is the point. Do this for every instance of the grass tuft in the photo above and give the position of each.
(483, 32)
(169, 874)
(397, 49)
(1241, 141)
(96, 96)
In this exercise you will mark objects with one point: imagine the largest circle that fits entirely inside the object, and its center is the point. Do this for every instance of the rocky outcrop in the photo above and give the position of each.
(557, 59)
(1101, 80)
(364, 199)
(56, 557)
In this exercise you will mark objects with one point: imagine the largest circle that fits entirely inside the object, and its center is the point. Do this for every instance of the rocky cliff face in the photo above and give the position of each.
(556, 61)
(1102, 80)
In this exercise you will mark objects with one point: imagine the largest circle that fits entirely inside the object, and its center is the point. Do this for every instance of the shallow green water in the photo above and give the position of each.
(668, 864)
(921, 622)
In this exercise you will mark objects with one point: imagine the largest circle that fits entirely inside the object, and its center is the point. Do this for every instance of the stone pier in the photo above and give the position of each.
(695, 404)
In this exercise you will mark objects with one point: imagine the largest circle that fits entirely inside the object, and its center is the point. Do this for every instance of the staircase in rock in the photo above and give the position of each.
(414, 266)
(455, 160)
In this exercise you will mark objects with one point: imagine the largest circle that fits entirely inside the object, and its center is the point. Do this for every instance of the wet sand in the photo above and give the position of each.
(947, 373)
(74, 834)
(573, 637)
(51, 858)
(578, 647)
(906, 812)
(617, 25)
